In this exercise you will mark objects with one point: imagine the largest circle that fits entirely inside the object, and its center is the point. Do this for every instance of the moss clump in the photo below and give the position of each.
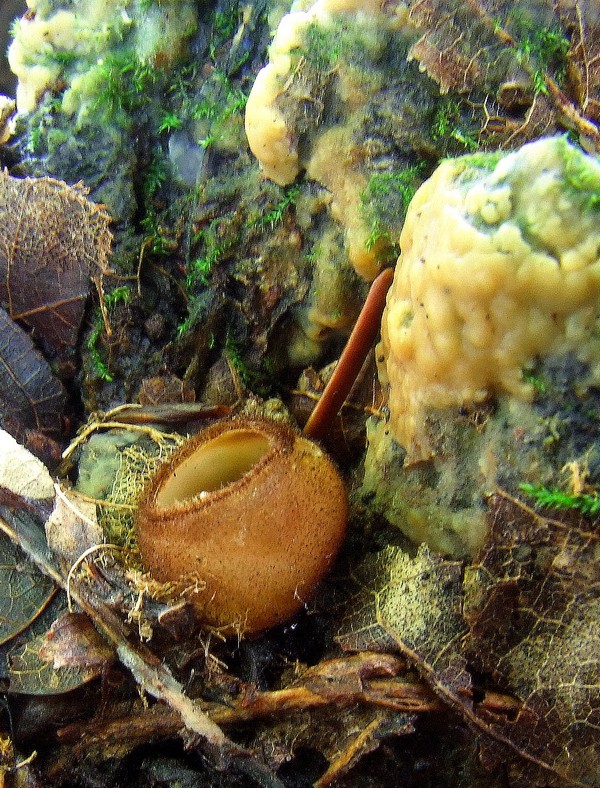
(450, 129)
(554, 498)
(581, 174)
(275, 215)
(384, 203)
(543, 48)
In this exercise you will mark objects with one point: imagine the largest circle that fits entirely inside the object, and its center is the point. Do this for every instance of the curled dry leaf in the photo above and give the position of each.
(52, 240)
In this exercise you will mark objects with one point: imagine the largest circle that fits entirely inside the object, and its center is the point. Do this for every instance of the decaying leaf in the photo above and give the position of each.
(24, 591)
(21, 473)
(70, 654)
(165, 389)
(52, 239)
(72, 528)
(345, 707)
(23, 528)
(532, 602)
(30, 396)
(523, 620)
(414, 603)
(458, 47)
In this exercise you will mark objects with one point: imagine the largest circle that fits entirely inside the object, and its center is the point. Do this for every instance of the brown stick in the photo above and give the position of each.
(353, 357)
(365, 678)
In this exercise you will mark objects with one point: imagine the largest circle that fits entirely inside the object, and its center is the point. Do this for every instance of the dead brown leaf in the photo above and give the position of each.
(73, 642)
(521, 622)
(52, 240)
(30, 396)
(532, 603)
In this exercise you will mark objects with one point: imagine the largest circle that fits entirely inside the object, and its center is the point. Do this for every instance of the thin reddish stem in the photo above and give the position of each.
(353, 357)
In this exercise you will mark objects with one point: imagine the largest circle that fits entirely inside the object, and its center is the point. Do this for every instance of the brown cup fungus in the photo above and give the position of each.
(245, 519)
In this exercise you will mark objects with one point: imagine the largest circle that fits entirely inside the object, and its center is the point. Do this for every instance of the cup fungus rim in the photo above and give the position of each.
(280, 437)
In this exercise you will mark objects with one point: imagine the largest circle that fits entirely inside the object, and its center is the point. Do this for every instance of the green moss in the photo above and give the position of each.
(469, 167)
(170, 121)
(154, 176)
(543, 49)
(448, 126)
(34, 141)
(321, 48)
(120, 295)
(207, 115)
(99, 366)
(200, 268)
(484, 160)
(155, 237)
(582, 173)
(55, 138)
(207, 142)
(224, 26)
(234, 102)
(538, 384)
(386, 186)
(357, 43)
(60, 57)
(276, 214)
(255, 380)
(553, 498)
(42, 135)
(124, 82)
(384, 203)
(209, 246)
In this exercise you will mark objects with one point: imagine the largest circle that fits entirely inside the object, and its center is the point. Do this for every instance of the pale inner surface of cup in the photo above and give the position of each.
(214, 465)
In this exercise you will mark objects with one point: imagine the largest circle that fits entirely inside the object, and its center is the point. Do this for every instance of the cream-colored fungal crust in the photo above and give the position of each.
(499, 264)
(37, 39)
(56, 48)
(274, 113)
(8, 109)
(331, 164)
(271, 140)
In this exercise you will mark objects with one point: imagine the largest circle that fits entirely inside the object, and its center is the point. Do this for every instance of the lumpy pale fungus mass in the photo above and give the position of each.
(244, 520)
(68, 49)
(489, 354)
(500, 264)
(334, 46)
